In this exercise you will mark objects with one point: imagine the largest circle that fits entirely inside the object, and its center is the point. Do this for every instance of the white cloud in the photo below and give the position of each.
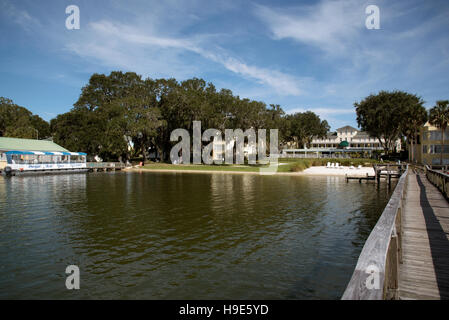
(21, 17)
(410, 50)
(329, 25)
(129, 47)
(281, 82)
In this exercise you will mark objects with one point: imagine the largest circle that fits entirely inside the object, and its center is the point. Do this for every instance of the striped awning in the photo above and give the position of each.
(54, 153)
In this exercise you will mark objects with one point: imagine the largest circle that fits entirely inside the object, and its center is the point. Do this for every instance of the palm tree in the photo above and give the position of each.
(439, 117)
(414, 117)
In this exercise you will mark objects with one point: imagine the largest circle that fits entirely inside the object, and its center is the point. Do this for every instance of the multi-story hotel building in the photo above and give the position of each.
(427, 149)
(355, 140)
(344, 141)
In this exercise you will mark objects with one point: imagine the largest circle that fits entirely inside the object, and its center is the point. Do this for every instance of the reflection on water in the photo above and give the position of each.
(183, 236)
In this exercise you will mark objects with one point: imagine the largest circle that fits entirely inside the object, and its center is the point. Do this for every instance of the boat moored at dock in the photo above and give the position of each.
(28, 156)
(42, 162)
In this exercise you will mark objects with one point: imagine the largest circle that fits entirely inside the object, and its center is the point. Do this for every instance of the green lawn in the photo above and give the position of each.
(292, 165)
(201, 167)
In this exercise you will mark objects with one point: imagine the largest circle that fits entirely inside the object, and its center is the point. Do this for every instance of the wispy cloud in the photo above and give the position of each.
(399, 56)
(281, 82)
(105, 38)
(20, 17)
(329, 25)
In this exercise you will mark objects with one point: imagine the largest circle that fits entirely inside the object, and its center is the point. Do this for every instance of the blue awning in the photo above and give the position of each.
(19, 152)
(55, 153)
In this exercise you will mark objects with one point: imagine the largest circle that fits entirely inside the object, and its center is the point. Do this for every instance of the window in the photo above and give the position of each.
(424, 148)
(436, 135)
(437, 148)
(438, 161)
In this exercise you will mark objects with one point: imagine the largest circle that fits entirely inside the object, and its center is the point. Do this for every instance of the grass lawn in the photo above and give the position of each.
(290, 165)
(201, 167)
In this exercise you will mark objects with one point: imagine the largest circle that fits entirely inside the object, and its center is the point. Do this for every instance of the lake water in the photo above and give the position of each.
(183, 235)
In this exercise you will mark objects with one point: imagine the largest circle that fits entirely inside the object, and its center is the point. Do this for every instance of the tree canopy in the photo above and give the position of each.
(414, 116)
(386, 115)
(18, 122)
(303, 127)
(121, 115)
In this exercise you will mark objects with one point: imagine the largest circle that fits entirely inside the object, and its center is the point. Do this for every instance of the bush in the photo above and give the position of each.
(298, 165)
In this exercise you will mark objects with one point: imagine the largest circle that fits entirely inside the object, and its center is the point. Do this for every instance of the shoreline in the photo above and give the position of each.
(312, 171)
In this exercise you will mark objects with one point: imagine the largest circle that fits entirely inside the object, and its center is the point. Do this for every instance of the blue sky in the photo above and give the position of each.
(303, 55)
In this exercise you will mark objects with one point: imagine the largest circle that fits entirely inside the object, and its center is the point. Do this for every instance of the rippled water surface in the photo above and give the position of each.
(183, 236)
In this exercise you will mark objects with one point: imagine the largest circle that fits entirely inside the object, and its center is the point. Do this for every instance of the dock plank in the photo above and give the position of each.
(424, 272)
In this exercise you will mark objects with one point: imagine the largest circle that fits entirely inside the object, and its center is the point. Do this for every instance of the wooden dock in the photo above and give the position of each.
(360, 178)
(424, 272)
(387, 171)
(406, 256)
(104, 166)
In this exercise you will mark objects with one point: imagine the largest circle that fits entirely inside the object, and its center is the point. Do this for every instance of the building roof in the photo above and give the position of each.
(53, 153)
(329, 135)
(346, 128)
(328, 150)
(362, 134)
(8, 144)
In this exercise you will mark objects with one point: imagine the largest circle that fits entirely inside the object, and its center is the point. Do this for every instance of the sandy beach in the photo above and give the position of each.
(342, 171)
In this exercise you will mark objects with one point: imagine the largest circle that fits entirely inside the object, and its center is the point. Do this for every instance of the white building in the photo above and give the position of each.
(340, 144)
(355, 140)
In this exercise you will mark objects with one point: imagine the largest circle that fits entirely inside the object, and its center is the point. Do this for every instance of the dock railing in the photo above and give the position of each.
(376, 274)
(438, 167)
(105, 165)
(439, 179)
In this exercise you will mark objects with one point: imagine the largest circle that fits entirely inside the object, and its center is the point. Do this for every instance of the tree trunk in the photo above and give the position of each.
(383, 144)
(442, 146)
(411, 150)
(144, 155)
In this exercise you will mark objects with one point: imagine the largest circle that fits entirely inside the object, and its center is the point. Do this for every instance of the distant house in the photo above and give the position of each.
(427, 148)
